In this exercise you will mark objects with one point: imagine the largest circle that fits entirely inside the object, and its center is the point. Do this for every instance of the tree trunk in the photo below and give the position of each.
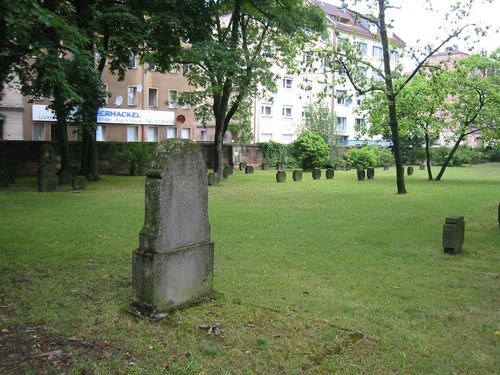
(63, 142)
(218, 155)
(89, 154)
(428, 156)
(450, 156)
(393, 120)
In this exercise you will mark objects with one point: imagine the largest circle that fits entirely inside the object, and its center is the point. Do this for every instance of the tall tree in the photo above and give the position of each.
(235, 62)
(348, 57)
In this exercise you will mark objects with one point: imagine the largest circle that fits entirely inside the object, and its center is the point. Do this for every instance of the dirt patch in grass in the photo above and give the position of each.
(32, 349)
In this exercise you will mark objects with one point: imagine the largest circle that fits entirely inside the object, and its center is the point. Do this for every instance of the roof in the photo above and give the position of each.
(348, 21)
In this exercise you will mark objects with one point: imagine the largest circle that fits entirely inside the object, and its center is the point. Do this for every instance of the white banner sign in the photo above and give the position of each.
(114, 116)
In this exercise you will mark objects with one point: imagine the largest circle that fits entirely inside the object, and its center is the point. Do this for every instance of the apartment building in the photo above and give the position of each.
(280, 117)
(144, 107)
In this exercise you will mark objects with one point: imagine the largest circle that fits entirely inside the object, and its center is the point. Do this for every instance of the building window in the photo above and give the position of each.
(153, 97)
(340, 95)
(303, 114)
(363, 48)
(185, 69)
(286, 111)
(307, 57)
(378, 53)
(38, 132)
(173, 69)
(153, 134)
(266, 109)
(132, 133)
(287, 82)
(172, 98)
(185, 133)
(360, 125)
(170, 132)
(341, 124)
(184, 101)
(360, 100)
(287, 138)
(133, 61)
(266, 137)
(395, 56)
(152, 67)
(132, 95)
(100, 133)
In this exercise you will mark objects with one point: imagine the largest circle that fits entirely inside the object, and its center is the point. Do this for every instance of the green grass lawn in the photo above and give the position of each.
(313, 277)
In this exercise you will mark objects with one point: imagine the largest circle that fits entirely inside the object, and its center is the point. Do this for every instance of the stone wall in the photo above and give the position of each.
(23, 156)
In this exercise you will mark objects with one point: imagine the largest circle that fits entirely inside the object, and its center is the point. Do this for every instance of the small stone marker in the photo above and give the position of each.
(47, 177)
(212, 179)
(280, 176)
(338, 166)
(264, 166)
(316, 174)
(173, 265)
(280, 165)
(297, 175)
(243, 166)
(386, 167)
(361, 174)
(66, 177)
(79, 183)
(453, 234)
(409, 171)
(329, 173)
(348, 166)
(370, 173)
(225, 173)
(421, 167)
(248, 169)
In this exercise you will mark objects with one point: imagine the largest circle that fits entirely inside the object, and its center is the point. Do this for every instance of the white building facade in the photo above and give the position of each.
(281, 117)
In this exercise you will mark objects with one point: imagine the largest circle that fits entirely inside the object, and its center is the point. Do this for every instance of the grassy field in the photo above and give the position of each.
(313, 277)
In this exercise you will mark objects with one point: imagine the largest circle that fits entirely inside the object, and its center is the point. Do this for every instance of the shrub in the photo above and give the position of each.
(493, 152)
(137, 154)
(462, 156)
(439, 154)
(383, 155)
(361, 158)
(274, 152)
(311, 150)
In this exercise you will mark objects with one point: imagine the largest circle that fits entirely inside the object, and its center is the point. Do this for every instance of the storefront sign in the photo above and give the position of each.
(113, 116)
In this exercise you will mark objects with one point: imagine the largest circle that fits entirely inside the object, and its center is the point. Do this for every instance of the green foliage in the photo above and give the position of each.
(383, 155)
(493, 152)
(138, 154)
(311, 150)
(362, 157)
(320, 119)
(463, 155)
(275, 152)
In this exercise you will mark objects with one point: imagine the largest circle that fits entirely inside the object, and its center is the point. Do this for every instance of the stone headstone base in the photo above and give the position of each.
(48, 184)
(166, 281)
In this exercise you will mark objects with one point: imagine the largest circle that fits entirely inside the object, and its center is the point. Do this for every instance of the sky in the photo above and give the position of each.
(418, 27)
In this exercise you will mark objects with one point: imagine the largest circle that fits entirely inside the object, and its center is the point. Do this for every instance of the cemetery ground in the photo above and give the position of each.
(325, 276)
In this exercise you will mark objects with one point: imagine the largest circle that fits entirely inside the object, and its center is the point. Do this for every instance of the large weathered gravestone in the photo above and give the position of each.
(453, 234)
(361, 174)
(242, 166)
(47, 177)
(280, 165)
(409, 171)
(173, 265)
(248, 169)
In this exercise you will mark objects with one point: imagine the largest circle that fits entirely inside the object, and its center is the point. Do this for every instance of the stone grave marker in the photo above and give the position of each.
(264, 166)
(225, 173)
(316, 174)
(297, 175)
(453, 234)
(409, 171)
(242, 166)
(348, 166)
(79, 182)
(421, 167)
(173, 265)
(280, 176)
(370, 173)
(212, 179)
(361, 174)
(386, 167)
(47, 177)
(329, 173)
(248, 169)
(280, 165)
(230, 170)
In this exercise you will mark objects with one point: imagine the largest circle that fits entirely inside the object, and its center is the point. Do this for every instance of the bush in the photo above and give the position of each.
(462, 156)
(383, 155)
(311, 150)
(137, 154)
(361, 158)
(493, 152)
(275, 152)
(439, 154)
